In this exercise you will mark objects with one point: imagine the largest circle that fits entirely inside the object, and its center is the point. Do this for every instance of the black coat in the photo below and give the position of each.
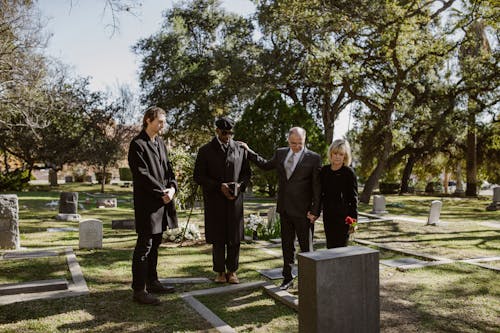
(223, 217)
(301, 193)
(152, 173)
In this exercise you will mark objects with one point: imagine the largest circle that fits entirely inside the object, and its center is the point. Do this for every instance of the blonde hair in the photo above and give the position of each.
(341, 145)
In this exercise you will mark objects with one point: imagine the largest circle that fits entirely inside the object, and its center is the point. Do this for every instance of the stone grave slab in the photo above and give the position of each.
(402, 262)
(283, 296)
(275, 273)
(185, 280)
(33, 286)
(61, 229)
(123, 224)
(31, 254)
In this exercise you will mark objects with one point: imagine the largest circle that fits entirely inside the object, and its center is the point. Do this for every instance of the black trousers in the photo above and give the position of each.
(145, 260)
(336, 232)
(225, 256)
(291, 227)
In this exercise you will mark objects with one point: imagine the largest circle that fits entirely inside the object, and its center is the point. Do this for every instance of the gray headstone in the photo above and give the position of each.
(435, 212)
(378, 204)
(271, 217)
(339, 290)
(68, 203)
(495, 204)
(9, 222)
(106, 202)
(496, 194)
(90, 234)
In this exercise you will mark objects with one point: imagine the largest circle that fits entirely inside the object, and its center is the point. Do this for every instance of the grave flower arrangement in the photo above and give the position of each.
(190, 232)
(258, 228)
(353, 224)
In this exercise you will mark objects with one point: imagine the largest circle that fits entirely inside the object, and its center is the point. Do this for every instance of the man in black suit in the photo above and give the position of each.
(154, 188)
(223, 171)
(298, 195)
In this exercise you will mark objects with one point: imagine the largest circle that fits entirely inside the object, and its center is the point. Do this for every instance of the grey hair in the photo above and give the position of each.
(297, 130)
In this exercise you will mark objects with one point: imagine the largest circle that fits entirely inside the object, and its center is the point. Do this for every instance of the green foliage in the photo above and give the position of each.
(198, 66)
(264, 126)
(183, 164)
(125, 174)
(16, 180)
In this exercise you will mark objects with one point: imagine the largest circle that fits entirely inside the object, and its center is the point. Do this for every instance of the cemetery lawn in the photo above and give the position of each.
(456, 297)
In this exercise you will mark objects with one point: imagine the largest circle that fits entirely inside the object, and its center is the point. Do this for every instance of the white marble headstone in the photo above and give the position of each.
(378, 204)
(435, 212)
(90, 234)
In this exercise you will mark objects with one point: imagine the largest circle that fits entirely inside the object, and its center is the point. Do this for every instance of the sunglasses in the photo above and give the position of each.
(224, 132)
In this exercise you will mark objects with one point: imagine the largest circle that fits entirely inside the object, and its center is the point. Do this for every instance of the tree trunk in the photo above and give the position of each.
(374, 177)
(471, 162)
(52, 177)
(103, 178)
(407, 173)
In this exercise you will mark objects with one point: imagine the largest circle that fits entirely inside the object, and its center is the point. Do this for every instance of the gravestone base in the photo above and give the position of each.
(494, 206)
(123, 224)
(68, 217)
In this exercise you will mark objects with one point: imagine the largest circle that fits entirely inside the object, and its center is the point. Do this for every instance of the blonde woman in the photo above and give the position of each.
(339, 194)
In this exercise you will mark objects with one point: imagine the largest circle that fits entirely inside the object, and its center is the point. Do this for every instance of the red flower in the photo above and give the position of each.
(349, 220)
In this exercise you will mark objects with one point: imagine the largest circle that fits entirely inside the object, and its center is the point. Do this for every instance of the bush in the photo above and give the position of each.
(434, 187)
(16, 180)
(125, 174)
(98, 177)
(388, 188)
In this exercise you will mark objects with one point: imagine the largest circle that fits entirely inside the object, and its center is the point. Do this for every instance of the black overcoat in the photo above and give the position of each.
(152, 173)
(223, 217)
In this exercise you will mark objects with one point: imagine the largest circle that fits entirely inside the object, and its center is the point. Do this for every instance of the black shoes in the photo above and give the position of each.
(287, 283)
(143, 297)
(157, 288)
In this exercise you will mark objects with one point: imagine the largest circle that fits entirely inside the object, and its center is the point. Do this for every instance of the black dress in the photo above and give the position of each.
(339, 199)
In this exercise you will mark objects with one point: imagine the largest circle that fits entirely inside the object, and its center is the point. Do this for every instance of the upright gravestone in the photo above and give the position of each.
(9, 222)
(339, 290)
(435, 212)
(495, 205)
(271, 217)
(90, 234)
(378, 204)
(68, 207)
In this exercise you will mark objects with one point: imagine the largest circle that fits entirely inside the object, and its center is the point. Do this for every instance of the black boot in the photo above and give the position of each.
(143, 297)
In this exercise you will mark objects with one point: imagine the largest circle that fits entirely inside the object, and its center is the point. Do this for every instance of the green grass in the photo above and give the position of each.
(449, 298)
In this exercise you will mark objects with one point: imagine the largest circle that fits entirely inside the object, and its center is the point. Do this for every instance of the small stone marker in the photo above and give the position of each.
(123, 224)
(106, 202)
(9, 222)
(68, 207)
(271, 217)
(378, 204)
(495, 205)
(435, 212)
(339, 290)
(90, 234)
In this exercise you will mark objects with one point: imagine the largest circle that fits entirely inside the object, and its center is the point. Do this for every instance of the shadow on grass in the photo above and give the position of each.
(107, 311)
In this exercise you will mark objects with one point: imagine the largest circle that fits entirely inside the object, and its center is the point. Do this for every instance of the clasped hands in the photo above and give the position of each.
(224, 187)
(312, 218)
(168, 195)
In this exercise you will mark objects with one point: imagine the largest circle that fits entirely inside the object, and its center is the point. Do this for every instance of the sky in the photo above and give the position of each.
(82, 39)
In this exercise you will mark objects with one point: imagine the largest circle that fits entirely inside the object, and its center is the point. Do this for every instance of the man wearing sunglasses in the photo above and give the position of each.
(223, 171)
